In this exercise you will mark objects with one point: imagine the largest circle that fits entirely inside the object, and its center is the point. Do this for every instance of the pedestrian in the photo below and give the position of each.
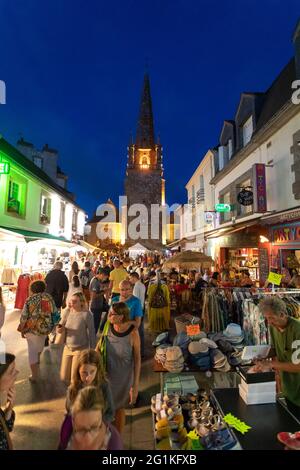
(122, 360)
(139, 291)
(95, 267)
(215, 279)
(57, 285)
(117, 275)
(105, 266)
(99, 288)
(74, 271)
(246, 280)
(8, 375)
(85, 276)
(77, 326)
(133, 303)
(38, 318)
(285, 337)
(89, 430)
(90, 371)
(2, 310)
(74, 286)
(159, 310)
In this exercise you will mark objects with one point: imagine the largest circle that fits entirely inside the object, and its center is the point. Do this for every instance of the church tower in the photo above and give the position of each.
(144, 183)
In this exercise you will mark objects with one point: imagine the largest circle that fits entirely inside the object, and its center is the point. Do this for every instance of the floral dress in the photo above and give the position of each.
(4, 444)
(39, 314)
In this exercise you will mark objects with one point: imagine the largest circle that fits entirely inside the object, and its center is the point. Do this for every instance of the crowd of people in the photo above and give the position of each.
(96, 314)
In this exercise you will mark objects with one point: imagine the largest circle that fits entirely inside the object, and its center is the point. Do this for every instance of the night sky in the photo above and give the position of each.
(74, 72)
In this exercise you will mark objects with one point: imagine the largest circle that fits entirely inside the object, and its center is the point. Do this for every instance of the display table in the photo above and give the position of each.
(265, 420)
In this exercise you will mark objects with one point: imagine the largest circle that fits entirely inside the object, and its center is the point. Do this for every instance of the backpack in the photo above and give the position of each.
(85, 278)
(158, 300)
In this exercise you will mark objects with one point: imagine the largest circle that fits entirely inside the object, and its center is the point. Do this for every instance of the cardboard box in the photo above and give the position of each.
(257, 398)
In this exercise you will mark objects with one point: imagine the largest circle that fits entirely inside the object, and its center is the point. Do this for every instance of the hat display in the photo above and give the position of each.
(174, 360)
(211, 344)
(196, 347)
(161, 338)
(233, 331)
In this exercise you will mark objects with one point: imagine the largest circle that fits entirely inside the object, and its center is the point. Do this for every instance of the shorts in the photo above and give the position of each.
(36, 345)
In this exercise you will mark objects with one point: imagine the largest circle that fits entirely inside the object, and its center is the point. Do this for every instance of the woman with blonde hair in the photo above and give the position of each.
(89, 429)
(77, 325)
(90, 371)
(122, 359)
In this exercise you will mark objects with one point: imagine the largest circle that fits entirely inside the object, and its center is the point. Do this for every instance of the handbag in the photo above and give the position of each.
(102, 344)
(60, 338)
(6, 431)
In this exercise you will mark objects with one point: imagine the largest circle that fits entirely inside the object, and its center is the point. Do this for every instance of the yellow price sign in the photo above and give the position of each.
(193, 330)
(274, 278)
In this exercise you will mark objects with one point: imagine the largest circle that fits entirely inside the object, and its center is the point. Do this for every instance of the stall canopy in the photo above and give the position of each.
(189, 260)
(137, 249)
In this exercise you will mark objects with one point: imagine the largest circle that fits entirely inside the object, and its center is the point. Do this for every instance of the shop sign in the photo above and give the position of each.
(223, 207)
(286, 234)
(209, 217)
(245, 197)
(259, 188)
(290, 216)
(274, 278)
(4, 168)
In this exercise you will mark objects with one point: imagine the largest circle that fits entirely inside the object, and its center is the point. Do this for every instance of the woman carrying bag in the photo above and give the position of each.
(77, 333)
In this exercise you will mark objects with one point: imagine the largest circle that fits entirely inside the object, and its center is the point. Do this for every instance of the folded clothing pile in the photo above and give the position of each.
(199, 355)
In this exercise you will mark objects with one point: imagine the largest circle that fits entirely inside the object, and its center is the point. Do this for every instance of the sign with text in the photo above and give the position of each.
(222, 207)
(245, 197)
(192, 330)
(4, 168)
(209, 217)
(274, 278)
(259, 188)
(289, 233)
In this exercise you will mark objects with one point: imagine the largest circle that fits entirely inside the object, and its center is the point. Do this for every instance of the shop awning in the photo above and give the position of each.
(220, 232)
(31, 236)
(9, 236)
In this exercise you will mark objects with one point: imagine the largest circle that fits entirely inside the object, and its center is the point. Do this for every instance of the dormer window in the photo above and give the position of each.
(247, 131)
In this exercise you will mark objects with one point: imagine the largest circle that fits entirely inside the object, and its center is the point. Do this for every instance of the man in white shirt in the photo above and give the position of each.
(139, 291)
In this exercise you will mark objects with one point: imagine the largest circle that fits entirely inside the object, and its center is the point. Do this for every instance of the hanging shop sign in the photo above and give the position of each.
(259, 188)
(289, 233)
(245, 197)
(209, 217)
(4, 168)
(223, 207)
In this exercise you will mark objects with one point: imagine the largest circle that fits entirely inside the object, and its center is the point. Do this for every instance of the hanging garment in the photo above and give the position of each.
(8, 276)
(22, 293)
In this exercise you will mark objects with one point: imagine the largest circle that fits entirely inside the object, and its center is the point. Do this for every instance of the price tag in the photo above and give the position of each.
(274, 278)
(193, 330)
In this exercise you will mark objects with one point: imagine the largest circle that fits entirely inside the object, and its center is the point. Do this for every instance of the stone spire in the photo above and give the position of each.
(145, 128)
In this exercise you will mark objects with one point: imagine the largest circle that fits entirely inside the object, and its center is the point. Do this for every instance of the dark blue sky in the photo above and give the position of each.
(74, 71)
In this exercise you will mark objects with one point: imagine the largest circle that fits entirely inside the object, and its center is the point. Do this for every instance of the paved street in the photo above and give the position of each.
(40, 407)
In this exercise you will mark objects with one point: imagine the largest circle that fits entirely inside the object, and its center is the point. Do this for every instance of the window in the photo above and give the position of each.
(230, 149)
(200, 192)
(45, 213)
(62, 215)
(74, 221)
(38, 161)
(247, 131)
(16, 197)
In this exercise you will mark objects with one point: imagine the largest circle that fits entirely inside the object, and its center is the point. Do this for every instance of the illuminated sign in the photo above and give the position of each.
(223, 207)
(4, 168)
(286, 234)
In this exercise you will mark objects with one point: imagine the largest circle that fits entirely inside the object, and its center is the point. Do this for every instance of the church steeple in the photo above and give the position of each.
(145, 129)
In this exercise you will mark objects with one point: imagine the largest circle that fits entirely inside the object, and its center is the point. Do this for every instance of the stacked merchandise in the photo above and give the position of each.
(220, 352)
(189, 422)
(257, 386)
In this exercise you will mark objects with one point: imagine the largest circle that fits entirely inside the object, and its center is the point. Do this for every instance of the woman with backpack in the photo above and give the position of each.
(38, 318)
(85, 276)
(159, 311)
